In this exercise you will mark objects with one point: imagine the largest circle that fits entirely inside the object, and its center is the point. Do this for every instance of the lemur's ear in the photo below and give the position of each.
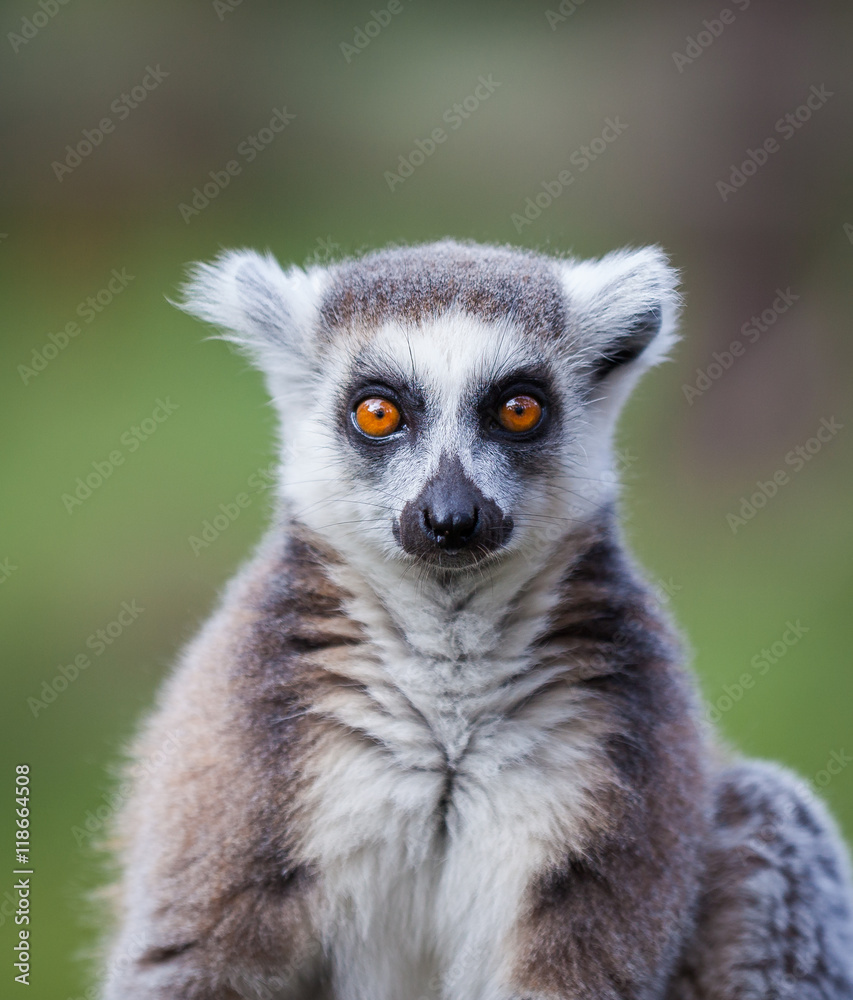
(269, 312)
(624, 308)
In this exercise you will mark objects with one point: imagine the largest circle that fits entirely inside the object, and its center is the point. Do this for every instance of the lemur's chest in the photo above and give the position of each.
(430, 809)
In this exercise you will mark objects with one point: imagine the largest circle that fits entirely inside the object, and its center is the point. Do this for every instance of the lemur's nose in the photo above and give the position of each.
(451, 515)
(449, 524)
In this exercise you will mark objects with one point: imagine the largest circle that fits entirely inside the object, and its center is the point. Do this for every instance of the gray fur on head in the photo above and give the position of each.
(275, 313)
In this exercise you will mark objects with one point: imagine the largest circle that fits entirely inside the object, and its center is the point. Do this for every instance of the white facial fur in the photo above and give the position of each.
(322, 477)
(275, 315)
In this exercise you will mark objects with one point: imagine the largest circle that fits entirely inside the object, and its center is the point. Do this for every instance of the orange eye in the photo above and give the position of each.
(519, 414)
(377, 417)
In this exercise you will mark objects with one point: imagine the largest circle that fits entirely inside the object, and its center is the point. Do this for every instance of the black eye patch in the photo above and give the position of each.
(533, 384)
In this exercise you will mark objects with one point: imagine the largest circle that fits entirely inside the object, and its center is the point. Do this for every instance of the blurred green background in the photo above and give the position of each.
(318, 188)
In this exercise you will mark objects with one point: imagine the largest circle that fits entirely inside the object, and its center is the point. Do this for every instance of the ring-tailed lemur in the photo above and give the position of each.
(438, 741)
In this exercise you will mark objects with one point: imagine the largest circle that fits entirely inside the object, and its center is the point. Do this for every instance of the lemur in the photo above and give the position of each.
(439, 742)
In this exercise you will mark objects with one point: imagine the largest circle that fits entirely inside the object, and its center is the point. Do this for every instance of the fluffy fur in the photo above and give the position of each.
(477, 775)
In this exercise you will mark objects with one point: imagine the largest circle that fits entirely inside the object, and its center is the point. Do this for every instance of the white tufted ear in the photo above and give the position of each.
(625, 309)
(270, 313)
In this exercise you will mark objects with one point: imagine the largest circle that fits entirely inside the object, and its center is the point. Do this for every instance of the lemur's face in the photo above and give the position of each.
(446, 406)
(450, 441)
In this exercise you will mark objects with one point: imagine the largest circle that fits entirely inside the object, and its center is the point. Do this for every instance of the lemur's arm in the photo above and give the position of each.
(775, 919)
(608, 925)
(213, 910)
(215, 905)
(609, 920)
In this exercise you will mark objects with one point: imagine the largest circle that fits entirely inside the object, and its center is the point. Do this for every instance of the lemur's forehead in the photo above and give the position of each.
(451, 355)
(413, 284)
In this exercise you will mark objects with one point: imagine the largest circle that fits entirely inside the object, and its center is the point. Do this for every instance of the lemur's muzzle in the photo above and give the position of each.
(452, 517)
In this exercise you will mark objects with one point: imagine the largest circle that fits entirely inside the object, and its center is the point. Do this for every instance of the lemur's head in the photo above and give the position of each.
(448, 404)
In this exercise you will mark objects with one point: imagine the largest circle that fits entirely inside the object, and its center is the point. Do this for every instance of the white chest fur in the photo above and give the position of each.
(444, 787)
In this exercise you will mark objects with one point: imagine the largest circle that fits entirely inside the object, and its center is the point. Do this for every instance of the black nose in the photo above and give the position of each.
(451, 515)
(449, 525)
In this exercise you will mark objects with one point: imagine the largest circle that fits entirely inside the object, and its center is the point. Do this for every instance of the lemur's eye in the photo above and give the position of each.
(519, 413)
(377, 417)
